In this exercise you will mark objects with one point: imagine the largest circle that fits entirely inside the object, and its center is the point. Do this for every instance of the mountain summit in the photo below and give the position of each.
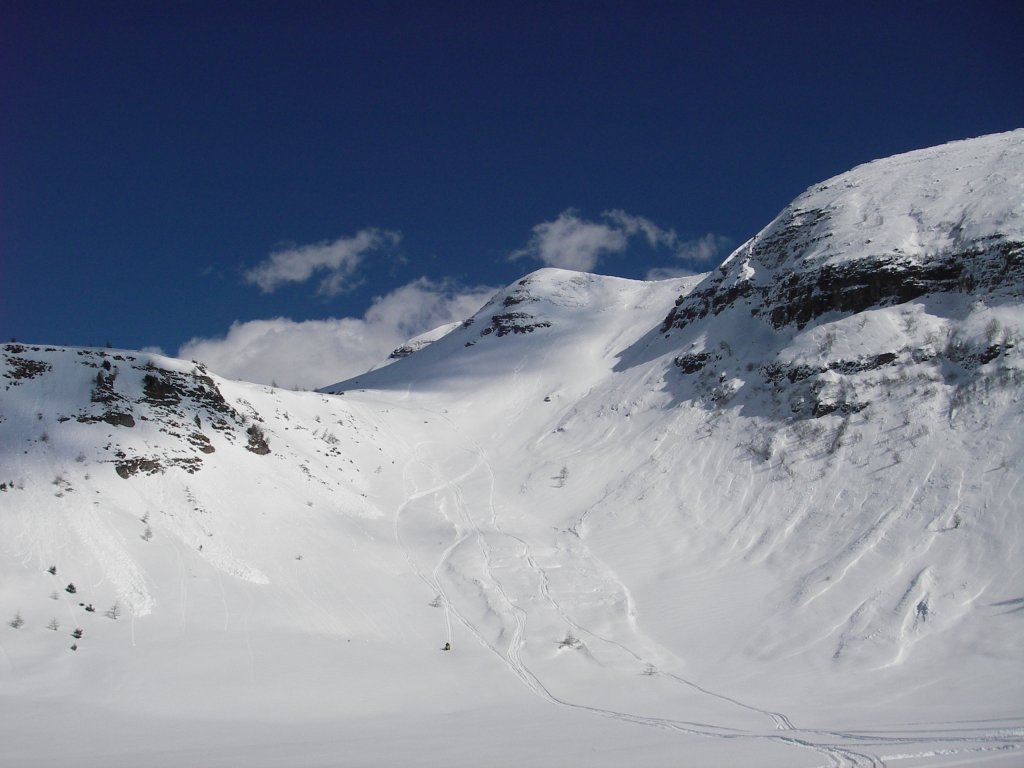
(765, 516)
(932, 221)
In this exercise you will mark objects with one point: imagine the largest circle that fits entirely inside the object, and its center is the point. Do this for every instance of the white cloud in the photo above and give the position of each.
(316, 353)
(339, 259)
(570, 242)
(668, 273)
(703, 249)
(634, 225)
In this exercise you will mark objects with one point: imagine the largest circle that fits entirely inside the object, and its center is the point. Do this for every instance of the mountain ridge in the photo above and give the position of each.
(836, 249)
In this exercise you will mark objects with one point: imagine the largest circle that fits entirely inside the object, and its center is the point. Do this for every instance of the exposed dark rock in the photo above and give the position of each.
(863, 364)
(112, 416)
(190, 464)
(127, 467)
(797, 296)
(692, 362)
(775, 372)
(970, 358)
(168, 389)
(175, 402)
(517, 297)
(843, 408)
(159, 391)
(103, 388)
(118, 419)
(513, 322)
(704, 301)
(257, 441)
(201, 441)
(994, 351)
(23, 368)
(207, 393)
(403, 351)
(856, 286)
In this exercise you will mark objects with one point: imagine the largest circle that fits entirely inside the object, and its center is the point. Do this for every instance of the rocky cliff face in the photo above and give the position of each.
(941, 220)
(992, 265)
(902, 270)
(157, 413)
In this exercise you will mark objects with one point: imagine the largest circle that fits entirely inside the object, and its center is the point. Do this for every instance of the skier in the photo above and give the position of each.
(447, 647)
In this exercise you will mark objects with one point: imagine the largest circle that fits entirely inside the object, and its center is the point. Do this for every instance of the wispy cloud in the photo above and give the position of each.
(340, 260)
(638, 225)
(316, 353)
(573, 242)
(570, 242)
(703, 249)
(668, 273)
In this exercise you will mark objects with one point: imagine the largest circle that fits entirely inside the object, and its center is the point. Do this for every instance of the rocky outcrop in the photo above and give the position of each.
(125, 391)
(513, 322)
(19, 368)
(797, 297)
(941, 220)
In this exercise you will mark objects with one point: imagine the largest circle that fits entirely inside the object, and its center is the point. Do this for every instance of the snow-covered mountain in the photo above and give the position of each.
(770, 515)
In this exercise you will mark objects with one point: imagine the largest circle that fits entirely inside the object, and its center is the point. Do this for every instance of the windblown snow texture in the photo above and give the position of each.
(770, 515)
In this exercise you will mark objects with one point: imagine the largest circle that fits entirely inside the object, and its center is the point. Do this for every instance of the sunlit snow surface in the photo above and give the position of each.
(726, 543)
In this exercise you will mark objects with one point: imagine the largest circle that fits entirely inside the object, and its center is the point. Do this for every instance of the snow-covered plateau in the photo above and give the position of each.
(767, 516)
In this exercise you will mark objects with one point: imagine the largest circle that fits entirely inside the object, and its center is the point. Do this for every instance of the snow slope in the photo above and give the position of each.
(766, 516)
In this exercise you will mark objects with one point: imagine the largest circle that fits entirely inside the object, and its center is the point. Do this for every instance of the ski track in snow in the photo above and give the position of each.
(182, 582)
(835, 755)
(827, 743)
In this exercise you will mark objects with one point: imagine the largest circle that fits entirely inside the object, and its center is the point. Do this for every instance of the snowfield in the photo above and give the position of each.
(767, 516)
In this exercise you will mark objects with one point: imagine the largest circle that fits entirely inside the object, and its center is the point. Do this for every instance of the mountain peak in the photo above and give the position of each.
(523, 324)
(935, 220)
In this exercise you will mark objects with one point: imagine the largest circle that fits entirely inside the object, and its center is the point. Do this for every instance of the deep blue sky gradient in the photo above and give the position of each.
(150, 152)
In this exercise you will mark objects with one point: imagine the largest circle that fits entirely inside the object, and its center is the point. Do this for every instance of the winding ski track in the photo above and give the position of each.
(468, 529)
(837, 748)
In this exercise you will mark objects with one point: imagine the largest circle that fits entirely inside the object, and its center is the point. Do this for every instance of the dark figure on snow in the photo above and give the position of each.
(447, 647)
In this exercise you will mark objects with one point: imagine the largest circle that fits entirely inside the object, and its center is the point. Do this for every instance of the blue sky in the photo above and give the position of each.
(268, 183)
